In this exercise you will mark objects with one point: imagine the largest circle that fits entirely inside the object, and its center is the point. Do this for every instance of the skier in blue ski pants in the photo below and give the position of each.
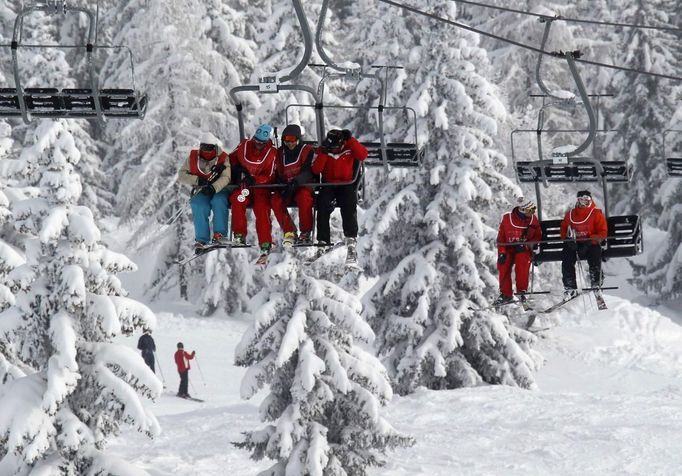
(202, 206)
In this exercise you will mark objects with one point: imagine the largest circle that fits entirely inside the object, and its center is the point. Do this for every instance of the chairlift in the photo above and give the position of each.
(81, 102)
(672, 151)
(380, 153)
(570, 164)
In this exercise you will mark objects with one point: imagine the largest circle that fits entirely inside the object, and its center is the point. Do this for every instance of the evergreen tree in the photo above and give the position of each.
(325, 390)
(71, 386)
(187, 79)
(430, 233)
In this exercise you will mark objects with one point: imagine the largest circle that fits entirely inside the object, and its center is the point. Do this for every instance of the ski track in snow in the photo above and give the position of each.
(609, 401)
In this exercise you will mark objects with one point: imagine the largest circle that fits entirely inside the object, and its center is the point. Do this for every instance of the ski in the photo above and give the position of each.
(192, 399)
(495, 306)
(601, 304)
(208, 249)
(560, 303)
(538, 329)
(531, 320)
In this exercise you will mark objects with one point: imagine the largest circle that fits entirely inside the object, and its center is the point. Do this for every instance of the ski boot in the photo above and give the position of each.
(220, 240)
(304, 238)
(570, 293)
(238, 239)
(199, 247)
(289, 238)
(503, 300)
(351, 251)
(264, 253)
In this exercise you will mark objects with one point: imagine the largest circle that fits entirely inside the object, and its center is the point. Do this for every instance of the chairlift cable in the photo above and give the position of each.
(525, 46)
(572, 20)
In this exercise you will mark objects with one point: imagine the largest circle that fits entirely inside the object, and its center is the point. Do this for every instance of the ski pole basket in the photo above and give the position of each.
(90, 101)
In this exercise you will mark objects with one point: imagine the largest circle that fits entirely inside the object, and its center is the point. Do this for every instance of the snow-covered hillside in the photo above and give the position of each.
(609, 401)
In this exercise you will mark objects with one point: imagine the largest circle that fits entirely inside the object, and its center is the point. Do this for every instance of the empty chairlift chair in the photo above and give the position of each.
(87, 102)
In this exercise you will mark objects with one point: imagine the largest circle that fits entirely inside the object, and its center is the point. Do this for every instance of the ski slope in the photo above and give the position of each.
(608, 402)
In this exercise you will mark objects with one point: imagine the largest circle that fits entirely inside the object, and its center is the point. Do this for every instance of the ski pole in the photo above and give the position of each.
(158, 364)
(194, 390)
(201, 374)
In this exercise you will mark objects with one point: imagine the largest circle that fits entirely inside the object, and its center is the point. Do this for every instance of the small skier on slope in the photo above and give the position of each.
(182, 359)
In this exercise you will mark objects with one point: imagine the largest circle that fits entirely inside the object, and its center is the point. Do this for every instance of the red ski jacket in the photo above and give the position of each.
(339, 167)
(586, 222)
(260, 164)
(513, 229)
(182, 359)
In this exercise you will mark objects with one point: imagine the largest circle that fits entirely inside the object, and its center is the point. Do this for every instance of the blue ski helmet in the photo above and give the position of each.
(263, 132)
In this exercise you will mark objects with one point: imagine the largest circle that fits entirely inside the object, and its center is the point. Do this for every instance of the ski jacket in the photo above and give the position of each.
(260, 164)
(182, 359)
(586, 222)
(197, 166)
(295, 163)
(515, 228)
(146, 343)
(339, 167)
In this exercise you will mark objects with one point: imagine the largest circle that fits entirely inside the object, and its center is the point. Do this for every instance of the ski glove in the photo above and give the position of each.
(208, 190)
(501, 258)
(346, 134)
(248, 180)
(202, 182)
(289, 190)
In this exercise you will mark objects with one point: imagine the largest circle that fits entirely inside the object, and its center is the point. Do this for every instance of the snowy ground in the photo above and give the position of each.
(609, 401)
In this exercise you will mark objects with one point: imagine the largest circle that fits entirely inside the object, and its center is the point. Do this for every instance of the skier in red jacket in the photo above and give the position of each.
(336, 160)
(293, 169)
(182, 359)
(584, 227)
(517, 227)
(253, 163)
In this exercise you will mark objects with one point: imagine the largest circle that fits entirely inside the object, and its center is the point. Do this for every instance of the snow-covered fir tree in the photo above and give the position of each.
(187, 79)
(305, 343)
(70, 387)
(429, 233)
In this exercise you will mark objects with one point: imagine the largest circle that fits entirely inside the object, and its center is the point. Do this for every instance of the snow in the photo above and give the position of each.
(609, 401)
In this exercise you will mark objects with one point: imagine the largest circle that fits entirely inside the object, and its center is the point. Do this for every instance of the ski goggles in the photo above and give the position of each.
(289, 139)
(584, 200)
(528, 210)
(207, 147)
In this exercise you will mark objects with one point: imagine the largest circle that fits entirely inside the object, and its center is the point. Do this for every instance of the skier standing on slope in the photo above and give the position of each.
(294, 159)
(147, 346)
(336, 160)
(182, 359)
(207, 171)
(518, 226)
(584, 228)
(253, 163)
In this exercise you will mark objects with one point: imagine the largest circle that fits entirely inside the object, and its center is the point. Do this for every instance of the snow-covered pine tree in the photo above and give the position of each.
(430, 233)
(187, 78)
(75, 386)
(325, 390)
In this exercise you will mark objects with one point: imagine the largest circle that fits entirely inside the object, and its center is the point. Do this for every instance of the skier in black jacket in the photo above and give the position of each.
(148, 347)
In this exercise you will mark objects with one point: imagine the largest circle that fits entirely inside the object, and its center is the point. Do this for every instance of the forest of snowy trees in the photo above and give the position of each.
(329, 352)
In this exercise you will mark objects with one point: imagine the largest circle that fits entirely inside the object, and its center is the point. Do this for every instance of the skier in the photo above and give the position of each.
(253, 163)
(584, 228)
(182, 359)
(336, 160)
(293, 169)
(147, 346)
(207, 171)
(518, 226)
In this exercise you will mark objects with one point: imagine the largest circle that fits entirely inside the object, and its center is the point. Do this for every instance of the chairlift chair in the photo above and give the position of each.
(83, 102)
(572, 164)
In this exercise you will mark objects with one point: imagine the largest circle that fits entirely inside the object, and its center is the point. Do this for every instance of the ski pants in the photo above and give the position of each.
(303, 198)
(572, 251)
(202, 206)
(148, 357)
(520, 260)
(347, 200)
(184, 382)
(260, 197)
